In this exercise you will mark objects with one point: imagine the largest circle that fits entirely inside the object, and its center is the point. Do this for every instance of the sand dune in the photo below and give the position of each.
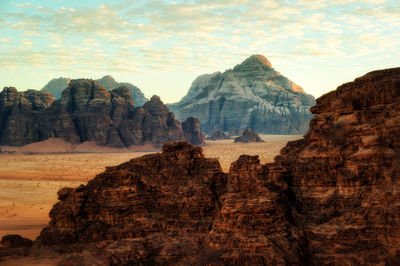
(31, 177)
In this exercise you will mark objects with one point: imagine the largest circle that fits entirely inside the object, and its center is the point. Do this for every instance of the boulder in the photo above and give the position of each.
(248, 136)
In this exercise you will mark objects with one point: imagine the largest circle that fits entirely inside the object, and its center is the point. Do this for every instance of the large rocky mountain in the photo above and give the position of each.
(86, 112)
(57, 86)
(251, 95)
(331, 198)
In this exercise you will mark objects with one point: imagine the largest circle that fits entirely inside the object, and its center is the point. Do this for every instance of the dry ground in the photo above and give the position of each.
(29, 182)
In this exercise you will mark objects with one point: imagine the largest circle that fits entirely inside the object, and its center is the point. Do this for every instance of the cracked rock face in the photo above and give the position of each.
(20, 115)
(345, 173)
(251, 95)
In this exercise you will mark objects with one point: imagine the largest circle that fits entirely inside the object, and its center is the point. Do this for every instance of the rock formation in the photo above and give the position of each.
(20, 115)
(251, 95)
(191, 129)
(331, 198)
(345, 173)
(110, 84)
(248, 136)
(218, 135)
(57, 86)
(85, 112)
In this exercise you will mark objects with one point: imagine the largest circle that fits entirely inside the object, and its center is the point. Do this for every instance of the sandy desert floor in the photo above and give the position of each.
(29, 182)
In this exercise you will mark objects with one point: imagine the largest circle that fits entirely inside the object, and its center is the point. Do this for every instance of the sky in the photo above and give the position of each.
(162, 46)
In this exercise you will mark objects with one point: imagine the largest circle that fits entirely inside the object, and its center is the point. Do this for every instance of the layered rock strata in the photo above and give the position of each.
(87, 112)
(251, 95)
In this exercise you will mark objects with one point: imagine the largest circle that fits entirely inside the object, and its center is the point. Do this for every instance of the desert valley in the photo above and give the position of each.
(211, 156)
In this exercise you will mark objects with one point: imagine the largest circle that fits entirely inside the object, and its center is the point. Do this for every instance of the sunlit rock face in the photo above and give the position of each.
(251, 95)
(345, 173)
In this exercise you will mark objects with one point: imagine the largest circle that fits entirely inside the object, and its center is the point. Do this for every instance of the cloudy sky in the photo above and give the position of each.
(162, 46)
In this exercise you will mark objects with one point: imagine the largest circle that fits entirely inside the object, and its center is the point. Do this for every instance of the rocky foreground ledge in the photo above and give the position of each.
(330, 198)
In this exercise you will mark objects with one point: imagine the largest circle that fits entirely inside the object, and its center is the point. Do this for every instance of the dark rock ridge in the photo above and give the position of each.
(86, 112)
(57, 86)
(248, 136)
(331, 198)
(20, 115)
(218, 135)
(251, 95)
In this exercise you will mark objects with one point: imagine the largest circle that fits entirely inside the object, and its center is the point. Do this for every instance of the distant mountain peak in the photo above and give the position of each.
(108, 77)
(251, 95)
(257, 59)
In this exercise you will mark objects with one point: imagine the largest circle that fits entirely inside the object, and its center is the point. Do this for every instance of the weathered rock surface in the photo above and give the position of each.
(20, 115)
(248, 136)
(331, 198)
(57, 86)
(85, 112)
(345, 173)
(179, 207)
(251, 95)
(191, 129)
(218, 135)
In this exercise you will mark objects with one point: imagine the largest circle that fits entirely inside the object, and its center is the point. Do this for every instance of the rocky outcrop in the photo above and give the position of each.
(218, 135)
(328, 199)
(178, 207)
(191, 129)
(86, 112)
(345, 173)
(251, 95)
(14, 245)
(248, 136)
(57, 86)
(20, 115)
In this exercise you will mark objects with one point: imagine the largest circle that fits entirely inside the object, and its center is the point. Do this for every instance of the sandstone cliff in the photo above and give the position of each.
(57, 86)
(345, 173)
(331, 198)
(251, 95)
(20, 115)
(87, 112)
